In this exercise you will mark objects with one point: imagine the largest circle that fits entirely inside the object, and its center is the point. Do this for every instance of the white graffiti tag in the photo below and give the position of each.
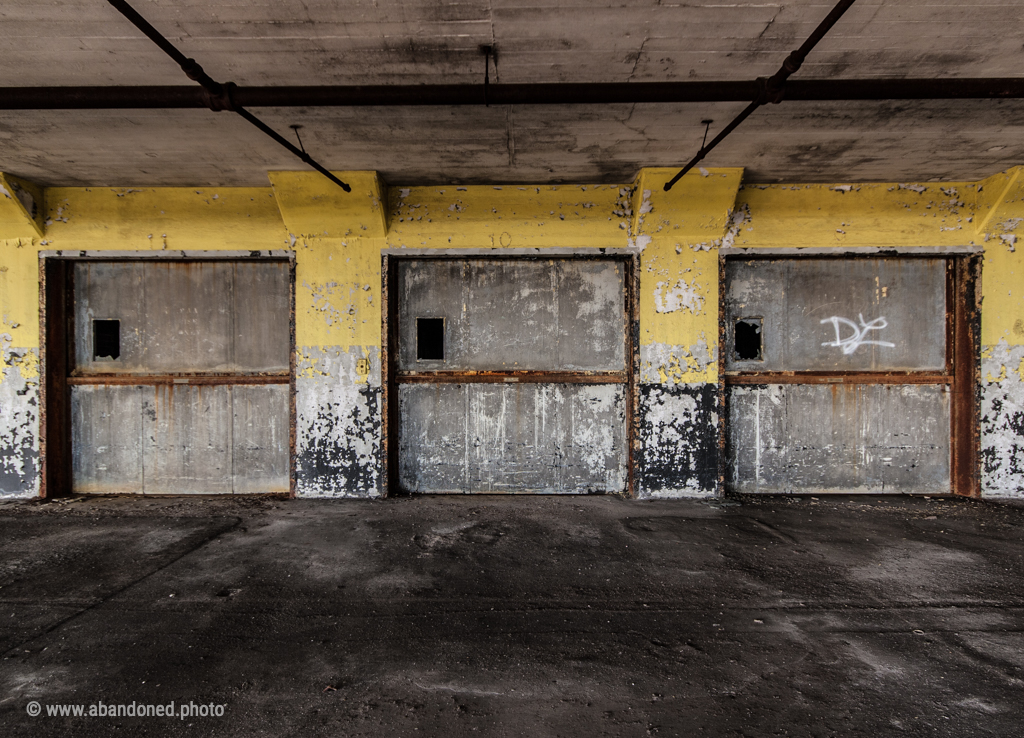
(855, 341)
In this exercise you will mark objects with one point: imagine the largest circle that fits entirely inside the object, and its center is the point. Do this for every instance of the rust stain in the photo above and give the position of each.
(838, 378)
(511, 377)
(178, 379)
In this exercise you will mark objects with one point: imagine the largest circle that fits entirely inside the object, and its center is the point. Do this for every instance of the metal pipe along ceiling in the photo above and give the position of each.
(599, 93)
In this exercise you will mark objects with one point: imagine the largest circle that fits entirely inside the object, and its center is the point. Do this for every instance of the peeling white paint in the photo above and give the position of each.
(19, 422)
(670, 298)
(1002, 421)
(737, 218)
(337, 419)
(662, 363)
(669, 422)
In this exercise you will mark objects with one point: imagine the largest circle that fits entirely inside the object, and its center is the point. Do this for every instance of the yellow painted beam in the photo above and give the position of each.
(21, 208)
(516, 216)
(1001, 230)
(678, 234)
(857, 215)
(312, 206)
(174, 218)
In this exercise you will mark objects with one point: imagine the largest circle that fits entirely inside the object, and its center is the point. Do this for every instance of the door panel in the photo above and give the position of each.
(873, 438)
(839, 314)
(838, 374)
(545, 315)
(511, 375)
(185, 316)
(189, 393)
(546, 438)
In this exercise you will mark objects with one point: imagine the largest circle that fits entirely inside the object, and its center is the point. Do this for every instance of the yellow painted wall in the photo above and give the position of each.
(678, 233)
(338, 278)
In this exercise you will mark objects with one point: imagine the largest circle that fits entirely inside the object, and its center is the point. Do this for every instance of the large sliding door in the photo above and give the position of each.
(511, 375)
(841, 374)
(179, 380)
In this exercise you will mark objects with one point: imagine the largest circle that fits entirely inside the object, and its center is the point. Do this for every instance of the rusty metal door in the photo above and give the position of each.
(511, 375)
(180, 380)
(838, 375)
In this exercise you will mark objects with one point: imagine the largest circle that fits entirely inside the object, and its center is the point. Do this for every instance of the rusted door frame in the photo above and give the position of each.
(56, 336)
(963, 353)
(389, 348)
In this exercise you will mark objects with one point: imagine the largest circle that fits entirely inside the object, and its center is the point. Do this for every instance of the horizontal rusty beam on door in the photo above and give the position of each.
(152, 379)
(511, 377)
(838, 378)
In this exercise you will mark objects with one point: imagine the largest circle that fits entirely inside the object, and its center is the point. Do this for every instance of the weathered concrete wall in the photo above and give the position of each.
(21, 207)
(338, 239)
(874, 438)
(1001, 214)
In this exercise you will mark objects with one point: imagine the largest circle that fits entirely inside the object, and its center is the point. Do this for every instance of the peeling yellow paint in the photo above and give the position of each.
(337, 292)
(156, 218)
(1002, 375)
(862, 215)
(516, 216)
(338, 239)
(27, 364)
(1001, 203)
(678, 233)
(19, 291)
(306, 365)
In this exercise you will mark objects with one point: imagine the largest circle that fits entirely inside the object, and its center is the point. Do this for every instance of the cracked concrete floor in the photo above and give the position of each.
(515, 616)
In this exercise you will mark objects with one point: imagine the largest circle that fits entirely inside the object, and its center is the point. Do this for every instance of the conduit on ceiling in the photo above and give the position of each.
(567, 93)
(772, 89)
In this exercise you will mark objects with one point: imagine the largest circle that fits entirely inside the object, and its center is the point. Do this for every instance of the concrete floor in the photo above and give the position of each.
(516, 616)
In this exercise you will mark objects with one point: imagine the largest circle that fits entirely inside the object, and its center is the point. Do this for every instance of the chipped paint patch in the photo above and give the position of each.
(19, 422)
(678, 441)
(683, 295)
(338, 421)
(662, 363)
(1002, 421)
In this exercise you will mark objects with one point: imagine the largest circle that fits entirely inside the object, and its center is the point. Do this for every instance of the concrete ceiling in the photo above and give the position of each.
(285, 42)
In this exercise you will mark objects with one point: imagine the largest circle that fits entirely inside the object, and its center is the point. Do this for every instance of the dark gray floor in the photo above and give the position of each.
(516, 616)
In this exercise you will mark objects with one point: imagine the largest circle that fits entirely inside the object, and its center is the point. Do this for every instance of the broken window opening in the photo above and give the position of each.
(747, 343)
(106, 340)
(430, 339)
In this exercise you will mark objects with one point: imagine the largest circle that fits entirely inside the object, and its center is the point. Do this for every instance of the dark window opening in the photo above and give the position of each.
(430, 339)
(748, 340)
(106, 339)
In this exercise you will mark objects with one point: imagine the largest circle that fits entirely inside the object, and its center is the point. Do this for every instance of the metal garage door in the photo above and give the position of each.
(838, 374)
(512, 375)
(181, 377)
